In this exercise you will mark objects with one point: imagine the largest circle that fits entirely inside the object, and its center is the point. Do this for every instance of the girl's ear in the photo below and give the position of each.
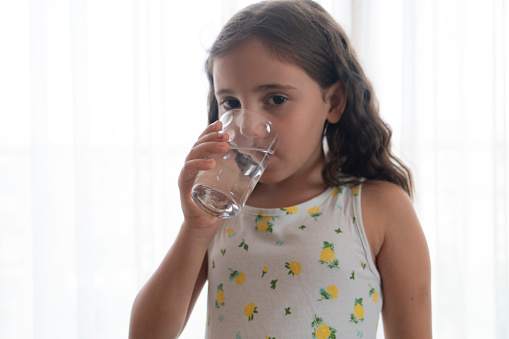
(336, 96)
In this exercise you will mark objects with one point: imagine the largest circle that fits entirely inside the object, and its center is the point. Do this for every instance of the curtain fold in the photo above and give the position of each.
(100, 102)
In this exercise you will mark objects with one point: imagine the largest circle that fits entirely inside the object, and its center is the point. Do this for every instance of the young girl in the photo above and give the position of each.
(329, 238)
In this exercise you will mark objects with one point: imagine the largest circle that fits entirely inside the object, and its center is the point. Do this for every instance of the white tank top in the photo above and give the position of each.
(304, 271)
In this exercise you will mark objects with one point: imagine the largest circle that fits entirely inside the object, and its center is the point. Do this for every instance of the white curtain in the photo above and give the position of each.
(100, 101)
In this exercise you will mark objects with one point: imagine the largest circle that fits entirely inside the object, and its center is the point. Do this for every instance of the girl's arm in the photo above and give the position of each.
(402, 260)
(163, 305)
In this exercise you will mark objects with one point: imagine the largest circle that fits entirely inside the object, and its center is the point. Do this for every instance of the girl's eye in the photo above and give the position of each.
(277, 100)
(230, 103)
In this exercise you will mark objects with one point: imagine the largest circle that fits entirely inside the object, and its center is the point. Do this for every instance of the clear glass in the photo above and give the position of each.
(223, 190)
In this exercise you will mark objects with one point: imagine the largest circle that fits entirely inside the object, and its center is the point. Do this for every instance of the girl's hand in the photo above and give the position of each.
(209, 142)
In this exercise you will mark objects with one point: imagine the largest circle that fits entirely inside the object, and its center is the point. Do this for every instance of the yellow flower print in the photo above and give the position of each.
(314, 212)
(239, 277)
(333, 291)
(220, 296)
(263, 223)
(356, 190)
(290, 210)
(294, 268)
(358, 312)
(327, 256)
(336, 191)
(264, 226)
(261, 217)
(230, 232)
(322, 330)
(265, 269)
(373, 294)
(250, 310)
(330, 293)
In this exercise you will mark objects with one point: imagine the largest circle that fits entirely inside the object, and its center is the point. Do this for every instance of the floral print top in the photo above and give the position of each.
(302, 271)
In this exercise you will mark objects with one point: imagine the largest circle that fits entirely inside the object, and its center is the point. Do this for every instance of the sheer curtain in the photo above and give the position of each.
(100, 102)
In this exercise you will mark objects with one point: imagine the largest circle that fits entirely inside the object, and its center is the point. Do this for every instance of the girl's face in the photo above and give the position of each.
(250, 77)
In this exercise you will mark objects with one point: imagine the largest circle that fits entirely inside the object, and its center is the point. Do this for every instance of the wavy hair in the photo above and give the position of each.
(303, 33)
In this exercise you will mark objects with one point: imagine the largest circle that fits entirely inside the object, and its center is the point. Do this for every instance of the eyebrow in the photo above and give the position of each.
(261, 88)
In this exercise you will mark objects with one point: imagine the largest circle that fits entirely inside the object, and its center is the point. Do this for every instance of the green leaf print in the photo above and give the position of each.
(233, 274)
(273, 284)
(261, 217)
(338, 231)
(302, 227)
(324, 294)
(317, 321)
(287, 311)
(244, 245)
(330, 293)
(352, 277)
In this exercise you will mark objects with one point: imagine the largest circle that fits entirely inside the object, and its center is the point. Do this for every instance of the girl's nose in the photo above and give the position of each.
(253, 124)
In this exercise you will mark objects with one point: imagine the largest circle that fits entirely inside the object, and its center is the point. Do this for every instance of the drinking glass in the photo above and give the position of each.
(223, 190)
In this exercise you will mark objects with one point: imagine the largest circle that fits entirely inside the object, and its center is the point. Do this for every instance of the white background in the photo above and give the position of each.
(100, 101)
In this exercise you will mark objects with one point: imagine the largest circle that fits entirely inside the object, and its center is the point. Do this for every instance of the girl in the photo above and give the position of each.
(329, 238)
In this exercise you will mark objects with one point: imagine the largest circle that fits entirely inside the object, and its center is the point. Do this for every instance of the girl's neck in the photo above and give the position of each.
(292, 191)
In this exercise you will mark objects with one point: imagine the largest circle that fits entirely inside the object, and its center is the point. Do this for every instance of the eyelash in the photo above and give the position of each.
(285, 99)
(226, 102)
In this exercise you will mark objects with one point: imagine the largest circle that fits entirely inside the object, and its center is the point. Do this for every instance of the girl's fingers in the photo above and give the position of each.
(191, 169)
(210, 142)
(205, 148)
(214, 127)
(213, 136)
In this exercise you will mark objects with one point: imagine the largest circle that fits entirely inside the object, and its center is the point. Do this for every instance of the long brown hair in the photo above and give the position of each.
(302, 32)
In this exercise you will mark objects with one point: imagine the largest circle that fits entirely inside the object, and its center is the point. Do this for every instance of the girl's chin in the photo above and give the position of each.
(268, 178)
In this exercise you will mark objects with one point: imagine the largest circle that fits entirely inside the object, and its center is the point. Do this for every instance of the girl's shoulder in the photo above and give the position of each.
(385, 199)
(385, 207)
(381, 190)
